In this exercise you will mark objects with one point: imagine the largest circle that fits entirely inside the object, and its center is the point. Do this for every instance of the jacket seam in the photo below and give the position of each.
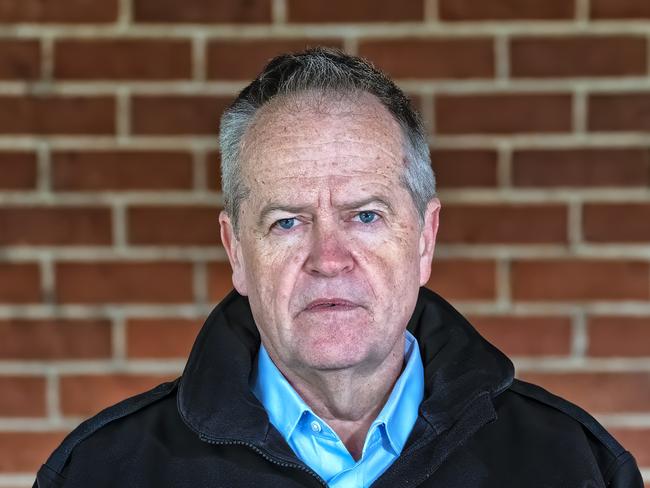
(61, 455)
(585, 422)
(616, 464)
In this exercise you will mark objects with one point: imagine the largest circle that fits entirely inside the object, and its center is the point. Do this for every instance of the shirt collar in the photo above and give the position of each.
(401, 409)
(285, 407)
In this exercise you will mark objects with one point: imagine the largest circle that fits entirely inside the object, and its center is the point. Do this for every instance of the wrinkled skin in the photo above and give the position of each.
(327, 218)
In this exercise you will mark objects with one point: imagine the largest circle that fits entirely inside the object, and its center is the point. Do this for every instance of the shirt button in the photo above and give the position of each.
(315, 426)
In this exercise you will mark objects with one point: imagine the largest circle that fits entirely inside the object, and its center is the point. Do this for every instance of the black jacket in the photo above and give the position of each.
(477, 426)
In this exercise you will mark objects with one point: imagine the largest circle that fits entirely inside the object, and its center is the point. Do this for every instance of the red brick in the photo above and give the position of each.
(320, 11)
(177, 114)
(598, 392)
(55, 339)
(18, 170)
(219, 281)
(22, 396)
(619, 9)
(24, 452)
(463, 279)
(506, 9)
(244, 59)
(173, 337)
(619, 336)
(57, 115)
(69, 11)
(121, 170)
(119, 59)
(581, 167)
(181, 225)
(432, 58)
(616, 222)
(526, 336)
(55, 225)
(567, 280)
(635, 441)
(124, 282)
(541, 57)
(617, 112)
(495, 224)
(213, 170)
(20, 283)
(455, 168)
(503, 113)
(20, 60)
(84, 395)
(202, 11)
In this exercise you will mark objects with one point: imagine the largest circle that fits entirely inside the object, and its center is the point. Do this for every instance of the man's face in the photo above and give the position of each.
(330, 251)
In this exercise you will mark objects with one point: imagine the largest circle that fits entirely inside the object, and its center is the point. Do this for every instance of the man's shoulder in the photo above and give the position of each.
(553, 405)
(116, 425)
(558, 422)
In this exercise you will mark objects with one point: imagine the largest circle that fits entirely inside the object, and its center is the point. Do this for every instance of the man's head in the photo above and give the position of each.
(330, 216)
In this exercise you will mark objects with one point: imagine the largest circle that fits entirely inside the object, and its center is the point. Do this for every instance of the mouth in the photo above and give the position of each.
(330, 305)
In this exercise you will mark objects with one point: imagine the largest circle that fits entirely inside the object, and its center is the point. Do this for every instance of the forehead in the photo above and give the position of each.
(316, 135)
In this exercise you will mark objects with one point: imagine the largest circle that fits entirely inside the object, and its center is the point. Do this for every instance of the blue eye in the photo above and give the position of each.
(367, 217)
(286, 224)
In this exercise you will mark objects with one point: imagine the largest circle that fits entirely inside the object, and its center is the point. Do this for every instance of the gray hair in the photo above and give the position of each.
(322, 70)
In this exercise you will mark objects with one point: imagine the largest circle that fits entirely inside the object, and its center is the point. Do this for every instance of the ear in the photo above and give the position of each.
(428, 239)
(233, 249)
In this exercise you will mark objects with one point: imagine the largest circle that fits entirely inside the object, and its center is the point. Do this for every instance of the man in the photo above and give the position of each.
(307, 374)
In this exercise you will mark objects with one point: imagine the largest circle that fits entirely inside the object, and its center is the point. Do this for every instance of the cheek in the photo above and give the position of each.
(272, 272)
(391, 265)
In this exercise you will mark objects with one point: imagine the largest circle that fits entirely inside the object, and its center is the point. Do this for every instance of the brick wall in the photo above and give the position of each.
(539, 112)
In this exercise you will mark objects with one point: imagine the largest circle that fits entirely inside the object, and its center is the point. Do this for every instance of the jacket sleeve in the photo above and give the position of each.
(626, 474)
(48, 478)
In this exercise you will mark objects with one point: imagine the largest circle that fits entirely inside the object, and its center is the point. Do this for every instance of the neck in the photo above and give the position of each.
(348, 400)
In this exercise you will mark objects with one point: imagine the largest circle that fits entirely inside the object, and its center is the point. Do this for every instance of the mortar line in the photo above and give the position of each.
(582, 11)
(502, 57)
(625, 420)
(52, 396)
(579, 111)
(200, 169)
(260, 31)
(351, 45)
(428, 113)
(48, 279)
(647, 50)
(431, 11)
(200, 282)
(579, 335)
(504, 291)
(119, 226)
(125, 16)
(44, 168)
(122, 114)
(574, 224)
(119, 343)
(279, 12)
(47, 58)
(16, 480)
(504, 165)
(199, 58)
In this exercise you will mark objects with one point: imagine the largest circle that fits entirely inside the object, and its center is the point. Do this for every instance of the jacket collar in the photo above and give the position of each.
(216, 402)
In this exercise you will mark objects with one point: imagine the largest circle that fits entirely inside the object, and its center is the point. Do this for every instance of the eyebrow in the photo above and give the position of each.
(274, 206)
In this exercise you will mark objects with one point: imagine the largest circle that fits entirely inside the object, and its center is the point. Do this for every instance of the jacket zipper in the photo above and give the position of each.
(266, 456)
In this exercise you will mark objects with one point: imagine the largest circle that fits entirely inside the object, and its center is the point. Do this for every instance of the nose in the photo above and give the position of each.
(329, 254)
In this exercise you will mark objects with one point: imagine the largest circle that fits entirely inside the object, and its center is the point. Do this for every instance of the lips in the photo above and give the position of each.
(330, 304)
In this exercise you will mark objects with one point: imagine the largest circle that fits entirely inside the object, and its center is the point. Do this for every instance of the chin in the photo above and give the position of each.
(332, 362)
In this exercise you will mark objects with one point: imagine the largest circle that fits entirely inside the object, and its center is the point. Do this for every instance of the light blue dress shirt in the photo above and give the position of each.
(318, 446)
